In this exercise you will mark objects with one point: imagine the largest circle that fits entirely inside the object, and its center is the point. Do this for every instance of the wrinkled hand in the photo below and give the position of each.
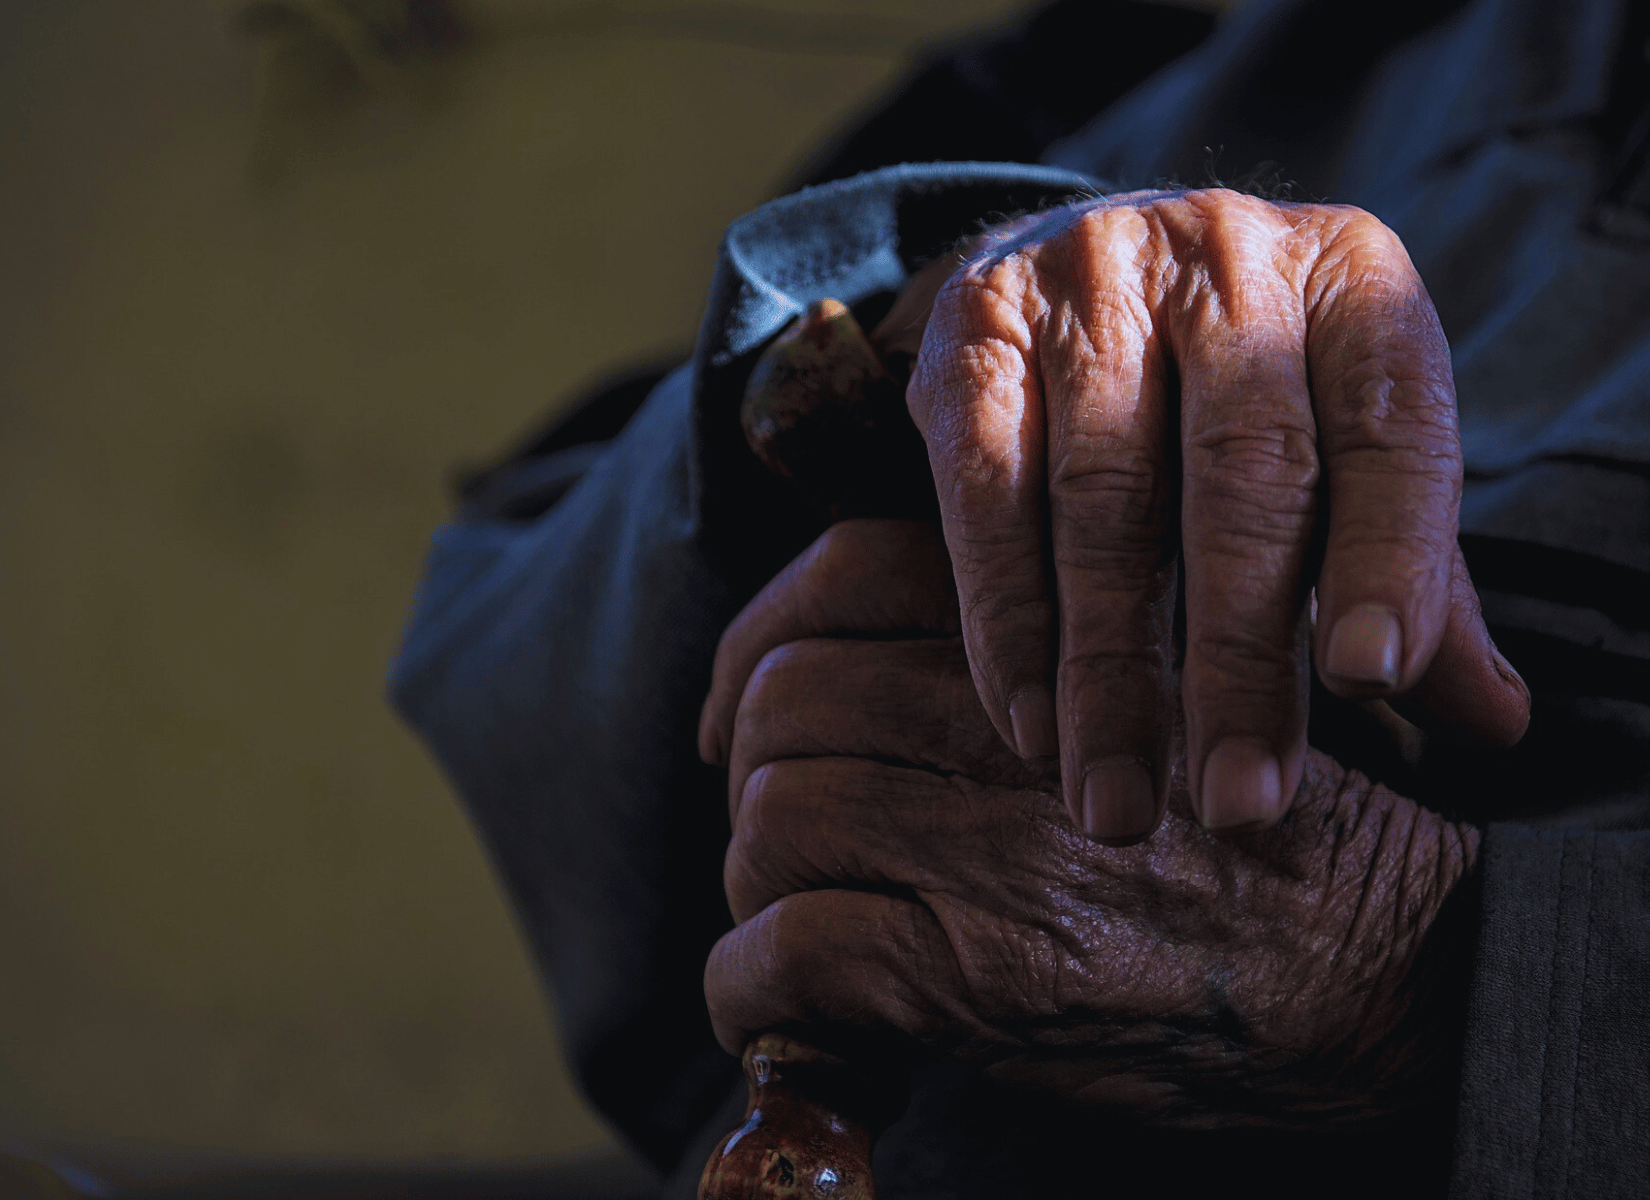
(1212, 376)
(894, 865)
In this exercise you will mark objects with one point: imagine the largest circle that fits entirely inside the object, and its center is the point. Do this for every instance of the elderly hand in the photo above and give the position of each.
(1224, 379)
(893, 865)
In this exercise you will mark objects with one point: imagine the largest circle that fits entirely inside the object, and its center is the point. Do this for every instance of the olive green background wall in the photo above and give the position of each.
(258, 297)
(250, 318)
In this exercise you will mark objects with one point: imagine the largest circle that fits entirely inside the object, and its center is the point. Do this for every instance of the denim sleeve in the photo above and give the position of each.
(556, 666)
(555, 670)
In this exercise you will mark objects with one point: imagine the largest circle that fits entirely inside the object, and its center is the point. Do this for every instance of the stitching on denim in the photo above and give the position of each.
(1547, 1033)
(1575, 1049)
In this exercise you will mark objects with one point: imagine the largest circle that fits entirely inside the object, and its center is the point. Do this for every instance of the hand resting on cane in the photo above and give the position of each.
(1212, 391)
(895, 866)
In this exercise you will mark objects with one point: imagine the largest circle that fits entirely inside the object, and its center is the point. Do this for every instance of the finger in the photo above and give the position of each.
(977, 399)
(910, 702)
(901, 330)
(859, 578)
(1111, 506)
(836, 957)
(1249, 496)
(1031, 907)
(811, 823)
(1469, 691)
(1385, 404)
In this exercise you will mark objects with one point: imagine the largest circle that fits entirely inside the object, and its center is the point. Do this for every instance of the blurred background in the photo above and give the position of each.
(269, 274)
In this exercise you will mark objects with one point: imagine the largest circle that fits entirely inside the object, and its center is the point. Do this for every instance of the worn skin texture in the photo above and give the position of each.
(894, 866)
(1207, 392)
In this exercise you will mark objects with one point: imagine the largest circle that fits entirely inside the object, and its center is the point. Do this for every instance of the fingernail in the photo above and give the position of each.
(1365, 646)
(1242, 785)
(1031, 712)
(1118, 800)
(1506, 671)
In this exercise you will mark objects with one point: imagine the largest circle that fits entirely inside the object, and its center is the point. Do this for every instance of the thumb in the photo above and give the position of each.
(1470, 691)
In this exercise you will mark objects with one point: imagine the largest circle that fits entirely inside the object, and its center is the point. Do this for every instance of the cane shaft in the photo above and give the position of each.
(823, 411)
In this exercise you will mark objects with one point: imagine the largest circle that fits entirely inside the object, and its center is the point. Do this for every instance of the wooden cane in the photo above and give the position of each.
(823, 411)
(811, 1121)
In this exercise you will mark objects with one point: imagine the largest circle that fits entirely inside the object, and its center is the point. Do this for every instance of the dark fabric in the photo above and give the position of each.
(556, 664)
(1005, 96)
(552, 667)
(1556, 1086)
(534, 474)
(1624, 129)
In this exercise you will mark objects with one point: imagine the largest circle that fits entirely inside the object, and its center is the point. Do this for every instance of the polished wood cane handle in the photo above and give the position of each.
(823, 411)
(811, 1122)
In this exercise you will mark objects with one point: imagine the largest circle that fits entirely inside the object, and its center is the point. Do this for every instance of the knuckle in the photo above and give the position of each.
(1123, 662)
(1251, 539)
(1004, 965)
(984, 469)
(1258, 480)
(997, 560)
(762, 838)
(781, 699)
(1410, 562)
(1374, 409)
(1117, 695)
(1106, 240)
(1110, 517)
(997, 551)
(862, 574)
(727, 994)
(1283, 451)
(791, 951)
(1354, 251)
(1244, 663)
(1363, 227)
(1220, 225)
(950, 368)
(759, 809)
(1005, 628)
(988, 287)
(980, 303)
(784, 674)
(1358, 242)
(1220, 198)
(1109, 476)
(978, 335)
(1229, 214)
(1377, 385)
(1380, 539)
(744, 894)
(1111, 569)
(770, 684)
(841, 553)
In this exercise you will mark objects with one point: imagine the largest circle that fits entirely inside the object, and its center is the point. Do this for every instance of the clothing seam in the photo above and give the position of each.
(1552, 1023)
(1575, 1047)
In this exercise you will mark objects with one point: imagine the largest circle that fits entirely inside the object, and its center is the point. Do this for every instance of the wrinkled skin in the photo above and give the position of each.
(895, 866)
(1126, 384)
